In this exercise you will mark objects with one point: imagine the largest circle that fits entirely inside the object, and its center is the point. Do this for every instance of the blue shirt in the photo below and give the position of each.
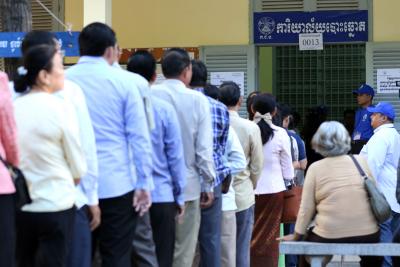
(300, 145)
(220, 125)
(169, 170)
(119, 123)
(362, 125)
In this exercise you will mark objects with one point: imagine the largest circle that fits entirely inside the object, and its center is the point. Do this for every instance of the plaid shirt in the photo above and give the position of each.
(220, 123)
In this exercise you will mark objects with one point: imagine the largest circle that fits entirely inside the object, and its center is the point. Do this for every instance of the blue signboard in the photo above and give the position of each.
(285, 27)
(10, 43)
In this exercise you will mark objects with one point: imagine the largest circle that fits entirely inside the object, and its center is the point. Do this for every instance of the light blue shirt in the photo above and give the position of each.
(169, 171)
(120, 125)
(383, 153)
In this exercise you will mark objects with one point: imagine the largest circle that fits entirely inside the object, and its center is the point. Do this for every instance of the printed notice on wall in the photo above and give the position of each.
(217, 78)
(388, 81)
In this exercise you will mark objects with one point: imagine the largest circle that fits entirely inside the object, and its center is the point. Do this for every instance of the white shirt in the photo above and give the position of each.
(51, 155)
(277, 163)
(87, 188)
(236, 161)
(194, 117)
(383, 152)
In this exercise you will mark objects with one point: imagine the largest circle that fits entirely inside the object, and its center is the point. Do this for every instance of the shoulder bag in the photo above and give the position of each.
(22, 196)
(379, 205)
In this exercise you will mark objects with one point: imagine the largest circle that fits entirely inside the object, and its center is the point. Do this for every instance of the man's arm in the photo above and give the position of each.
(256, 155)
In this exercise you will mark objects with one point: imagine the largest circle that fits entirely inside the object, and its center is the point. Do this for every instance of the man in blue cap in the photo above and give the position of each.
(362, 126)
(382, 152)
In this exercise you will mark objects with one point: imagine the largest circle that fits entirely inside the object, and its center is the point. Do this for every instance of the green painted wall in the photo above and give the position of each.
(265, 69)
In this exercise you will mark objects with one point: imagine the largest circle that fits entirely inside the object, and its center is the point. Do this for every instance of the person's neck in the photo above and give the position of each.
(234, 108)
(38, 89)
(366, 105)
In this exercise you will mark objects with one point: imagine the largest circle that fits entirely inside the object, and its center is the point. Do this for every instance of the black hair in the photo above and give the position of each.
(35, 38)
(286, 112)
(199, 74)
(143, 63)
(229, 93)
(212, 91)
(174, 61)
(36, 58)
(249, 103)
(265, 103)
(95, 38)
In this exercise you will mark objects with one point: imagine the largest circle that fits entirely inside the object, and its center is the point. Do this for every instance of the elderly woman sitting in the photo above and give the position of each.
(334, 196)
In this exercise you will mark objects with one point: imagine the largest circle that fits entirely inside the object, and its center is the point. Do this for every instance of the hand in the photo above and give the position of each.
(95, 215)
(290, 237)
(180, 213)
(206, 199)
(141, 201)
(226, 184)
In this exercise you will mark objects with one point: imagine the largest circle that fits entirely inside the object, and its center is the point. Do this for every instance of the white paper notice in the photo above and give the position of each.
(217, 78)
(311, 41)
(388, 81)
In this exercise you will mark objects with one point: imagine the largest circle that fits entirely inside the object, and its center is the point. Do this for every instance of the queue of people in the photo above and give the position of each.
(169, 174)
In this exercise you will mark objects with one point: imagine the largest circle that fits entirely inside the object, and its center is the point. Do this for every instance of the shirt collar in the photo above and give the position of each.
(175, 83)
(386, 125)
(233, 113)
(91, 59)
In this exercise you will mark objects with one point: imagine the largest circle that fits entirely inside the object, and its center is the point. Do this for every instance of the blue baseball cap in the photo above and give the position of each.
(365, 89)
(384, 108)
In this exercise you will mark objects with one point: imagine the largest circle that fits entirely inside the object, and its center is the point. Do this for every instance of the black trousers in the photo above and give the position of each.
(366, 261)
(163, 225)
(7, 230)
(43, 237)
(118, 222)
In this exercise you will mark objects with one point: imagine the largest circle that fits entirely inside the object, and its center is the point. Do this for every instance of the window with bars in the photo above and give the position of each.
(305, 79)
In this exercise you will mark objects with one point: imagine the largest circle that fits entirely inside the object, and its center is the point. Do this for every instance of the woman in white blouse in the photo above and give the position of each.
(51, 159)
(277, 171)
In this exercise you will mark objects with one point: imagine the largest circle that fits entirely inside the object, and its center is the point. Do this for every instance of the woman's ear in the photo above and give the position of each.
(43, 78)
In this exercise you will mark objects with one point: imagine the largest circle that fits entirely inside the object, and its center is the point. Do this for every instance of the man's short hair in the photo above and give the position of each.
(143, 63)
(229, 93)
(199, 74)
(174, 61)
(95, 38)
(35, 38)
(212, 91)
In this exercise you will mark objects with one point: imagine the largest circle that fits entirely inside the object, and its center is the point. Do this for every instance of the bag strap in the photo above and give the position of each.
(360, 170)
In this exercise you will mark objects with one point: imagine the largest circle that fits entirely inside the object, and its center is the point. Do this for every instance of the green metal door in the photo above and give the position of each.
(305, 79)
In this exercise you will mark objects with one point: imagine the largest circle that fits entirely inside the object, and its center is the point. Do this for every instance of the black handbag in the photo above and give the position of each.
(22, 196)
(379, 205)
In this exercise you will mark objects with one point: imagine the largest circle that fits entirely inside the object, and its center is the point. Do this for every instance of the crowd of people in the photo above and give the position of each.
(168, 174)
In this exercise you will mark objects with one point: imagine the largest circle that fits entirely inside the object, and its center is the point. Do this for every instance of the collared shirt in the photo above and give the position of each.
(143, 86)
(194, 117)
(120, 126)
(220, 125)
(88, 185)
(250, 138)
(277, 163)
(51, 155)
(383, 153)
(169, 172)
(236, 161)
(362, 125)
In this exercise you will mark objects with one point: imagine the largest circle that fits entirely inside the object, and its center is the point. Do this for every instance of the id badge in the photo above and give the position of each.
(357, 136)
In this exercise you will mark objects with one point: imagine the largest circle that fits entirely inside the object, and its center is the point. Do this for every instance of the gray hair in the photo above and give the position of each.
(331, 139)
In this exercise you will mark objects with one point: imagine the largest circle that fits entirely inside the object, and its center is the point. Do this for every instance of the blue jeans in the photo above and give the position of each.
(210, 232)
(80, 249)
(244, 228)
(389, 232)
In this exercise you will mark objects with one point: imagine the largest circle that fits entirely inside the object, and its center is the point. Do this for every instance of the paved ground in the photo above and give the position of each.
(348, 261)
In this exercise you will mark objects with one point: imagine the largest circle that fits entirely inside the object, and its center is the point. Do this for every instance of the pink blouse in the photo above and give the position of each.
(8, 136)
(277, 163)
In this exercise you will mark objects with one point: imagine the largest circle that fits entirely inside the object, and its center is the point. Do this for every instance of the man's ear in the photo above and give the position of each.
(240, 101)
(153, 78)
(109, 55)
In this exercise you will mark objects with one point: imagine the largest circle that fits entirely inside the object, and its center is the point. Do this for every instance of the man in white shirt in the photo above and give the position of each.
(382, 152)
(194, 117)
